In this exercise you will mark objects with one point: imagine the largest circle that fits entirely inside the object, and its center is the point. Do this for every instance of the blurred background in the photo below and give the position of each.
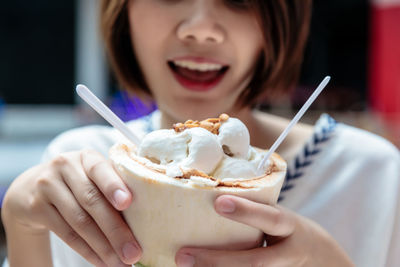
(47, 47)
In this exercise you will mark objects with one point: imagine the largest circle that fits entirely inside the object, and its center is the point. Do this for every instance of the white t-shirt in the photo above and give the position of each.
(345, 179)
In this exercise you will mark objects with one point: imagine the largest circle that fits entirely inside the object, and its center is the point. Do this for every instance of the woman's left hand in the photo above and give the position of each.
(292, 240)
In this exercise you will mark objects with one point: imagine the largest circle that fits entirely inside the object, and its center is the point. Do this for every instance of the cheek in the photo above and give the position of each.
(248, 42)
(142, 30)
(251, 46)
(149, 24)
(149, 35)
(248, 54)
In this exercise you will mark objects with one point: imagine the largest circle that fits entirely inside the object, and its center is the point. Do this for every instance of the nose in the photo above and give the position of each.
(201, 26)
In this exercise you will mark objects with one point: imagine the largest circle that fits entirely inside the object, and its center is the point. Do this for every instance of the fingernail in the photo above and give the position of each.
(226, 206)
(130, 251)
(120, 197)
(185, 260)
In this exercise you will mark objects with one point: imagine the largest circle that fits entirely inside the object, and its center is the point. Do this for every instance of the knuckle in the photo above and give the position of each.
(60, 160)
(44, 181)
(109, 254)
(119, 230)
(36, 208)
(91, 197)
(34, 205)
(87, 152)
(92, 161)
(278, 220)
(72, 237)
(83, 220)
(88, 254)
(76, 242)
(94, 168)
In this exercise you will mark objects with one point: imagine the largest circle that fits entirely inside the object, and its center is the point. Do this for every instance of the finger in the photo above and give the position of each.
(102, 173)
(266, 257)
(108, 219)
(57, 225)
(274, 221)
(82, 223)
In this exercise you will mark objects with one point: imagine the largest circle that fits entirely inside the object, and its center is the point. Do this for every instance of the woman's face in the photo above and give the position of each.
(197, 56)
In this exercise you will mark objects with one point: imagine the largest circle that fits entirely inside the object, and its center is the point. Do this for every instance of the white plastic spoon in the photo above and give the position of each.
(106, 113)
(294, 121)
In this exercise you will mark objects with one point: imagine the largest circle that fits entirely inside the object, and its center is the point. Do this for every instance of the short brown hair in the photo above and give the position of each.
(285, 26)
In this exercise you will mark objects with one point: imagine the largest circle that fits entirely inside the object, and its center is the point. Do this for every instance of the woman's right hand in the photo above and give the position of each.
(78, 196)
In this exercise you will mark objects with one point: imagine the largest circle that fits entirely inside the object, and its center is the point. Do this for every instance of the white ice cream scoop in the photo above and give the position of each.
(204, 150)
(235, 169)
(234, 138)
(194, 148)
(157, 146)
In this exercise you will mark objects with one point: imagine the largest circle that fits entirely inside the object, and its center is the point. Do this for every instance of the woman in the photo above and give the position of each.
(197, 59)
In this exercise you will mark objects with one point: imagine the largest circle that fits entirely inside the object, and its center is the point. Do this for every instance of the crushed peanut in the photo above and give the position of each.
(223, 117)
(212, 124)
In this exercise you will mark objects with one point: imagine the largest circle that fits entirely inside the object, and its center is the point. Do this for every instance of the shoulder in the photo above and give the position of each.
(339, 151)
(358, 143)
(353, 152)
(341, 159)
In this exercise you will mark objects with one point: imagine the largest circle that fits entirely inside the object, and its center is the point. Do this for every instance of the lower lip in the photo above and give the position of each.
(198, 86)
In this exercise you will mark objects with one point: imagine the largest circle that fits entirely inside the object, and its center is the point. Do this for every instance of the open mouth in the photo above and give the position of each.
(197, 76)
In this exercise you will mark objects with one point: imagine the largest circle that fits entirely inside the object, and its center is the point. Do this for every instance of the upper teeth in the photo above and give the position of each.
(198, 66)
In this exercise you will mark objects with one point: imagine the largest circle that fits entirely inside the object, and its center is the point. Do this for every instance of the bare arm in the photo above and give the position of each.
(26, 248)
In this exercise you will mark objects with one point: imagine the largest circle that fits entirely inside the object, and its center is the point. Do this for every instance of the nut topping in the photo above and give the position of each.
(223, 117)
(212, 124)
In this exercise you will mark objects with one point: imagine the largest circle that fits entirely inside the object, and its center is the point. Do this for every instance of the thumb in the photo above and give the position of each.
(194, 257)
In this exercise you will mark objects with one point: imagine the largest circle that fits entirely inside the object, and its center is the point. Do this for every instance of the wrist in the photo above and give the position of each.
(13, 224)
(33, 241)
